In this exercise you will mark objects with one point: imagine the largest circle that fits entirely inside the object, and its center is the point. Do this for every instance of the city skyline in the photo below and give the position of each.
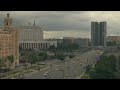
(66, 22)
(25, 53)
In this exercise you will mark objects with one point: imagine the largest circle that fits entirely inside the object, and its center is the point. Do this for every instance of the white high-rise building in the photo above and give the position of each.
(30, 33)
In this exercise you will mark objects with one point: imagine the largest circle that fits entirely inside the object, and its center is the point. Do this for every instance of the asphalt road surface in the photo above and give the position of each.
(68, 69)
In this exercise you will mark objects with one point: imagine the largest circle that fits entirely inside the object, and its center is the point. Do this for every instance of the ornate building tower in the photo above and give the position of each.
(9, 42)
(8, 20)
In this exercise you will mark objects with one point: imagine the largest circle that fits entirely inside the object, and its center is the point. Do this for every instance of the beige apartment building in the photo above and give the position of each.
(113, 39)
(9, 42)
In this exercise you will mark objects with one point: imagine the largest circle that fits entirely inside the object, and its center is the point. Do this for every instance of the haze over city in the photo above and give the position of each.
(58, 24)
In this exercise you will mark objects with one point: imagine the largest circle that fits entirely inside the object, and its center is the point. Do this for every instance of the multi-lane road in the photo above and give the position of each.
(71, 68)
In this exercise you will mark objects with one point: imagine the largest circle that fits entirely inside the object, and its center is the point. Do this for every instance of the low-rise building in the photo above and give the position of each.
(115, 39)
(82, 42)
(68, 40)
(37, 45)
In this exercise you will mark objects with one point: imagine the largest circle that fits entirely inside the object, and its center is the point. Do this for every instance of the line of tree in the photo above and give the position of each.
(33, 57)
(64, 47)
(119, 63)
(104, 68)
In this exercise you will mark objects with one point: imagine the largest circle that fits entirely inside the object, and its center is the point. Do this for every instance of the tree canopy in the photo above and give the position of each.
(104, 68)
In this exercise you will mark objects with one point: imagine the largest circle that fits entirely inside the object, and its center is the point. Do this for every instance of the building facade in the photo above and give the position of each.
(82, 42)
(94, 33)
(37, 45)
(9, 42)
(68, 40)
(31, 37)
(98, 33)
(30, 33)
(115, 39)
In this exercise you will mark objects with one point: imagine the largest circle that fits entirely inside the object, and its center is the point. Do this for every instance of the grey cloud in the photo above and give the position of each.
(65, 20)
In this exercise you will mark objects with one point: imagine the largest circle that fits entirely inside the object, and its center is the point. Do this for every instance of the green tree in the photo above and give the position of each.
(24, 56)
(11, 58)
(52, 47)
(119, 62)
(1, 62)
(112, 61)
(61, 56)
(42, 56)
(105, 68)
(33, 58)
(88, 68)
(71, 55)
(111, 43)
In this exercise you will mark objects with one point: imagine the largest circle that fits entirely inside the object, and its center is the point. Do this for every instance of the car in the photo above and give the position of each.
(56, 69)
(46, 74)
(66, 65)
(42, 64)
(73, 62)
(81, 63)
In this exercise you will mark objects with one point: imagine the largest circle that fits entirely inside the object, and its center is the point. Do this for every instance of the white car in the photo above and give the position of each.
(73, 62)
(45, 74)
(66, 65)
(56, 69)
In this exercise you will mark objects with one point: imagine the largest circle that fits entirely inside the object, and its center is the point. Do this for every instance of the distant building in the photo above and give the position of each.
(37, 45)
(30, 33)
(31, 37)
(82, 42)
(115, 39)
(94, 34)
(102, 30)
(68, 40)
(59, 41)
(9, 42)
(98, 33)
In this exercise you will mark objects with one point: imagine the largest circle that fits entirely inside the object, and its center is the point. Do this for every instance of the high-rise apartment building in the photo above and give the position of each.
(98, 33)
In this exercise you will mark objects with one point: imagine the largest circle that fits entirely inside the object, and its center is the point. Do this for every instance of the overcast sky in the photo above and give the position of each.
(58, 24)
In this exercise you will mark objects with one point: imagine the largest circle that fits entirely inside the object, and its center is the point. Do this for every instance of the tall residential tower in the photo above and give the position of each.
(98, 33)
